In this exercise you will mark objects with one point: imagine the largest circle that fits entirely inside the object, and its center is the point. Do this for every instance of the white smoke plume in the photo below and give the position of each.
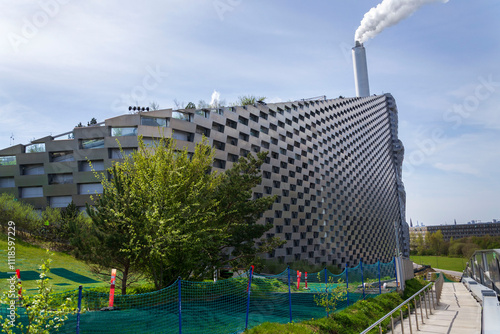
(214, 103)
(386, 14)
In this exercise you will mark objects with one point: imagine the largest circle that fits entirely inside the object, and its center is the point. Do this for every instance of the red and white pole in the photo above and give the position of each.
(20, 291)
(298, 279)
(306, 282)
(112, 288)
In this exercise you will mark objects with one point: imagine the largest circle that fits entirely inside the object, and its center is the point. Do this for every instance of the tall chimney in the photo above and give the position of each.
(360, 70)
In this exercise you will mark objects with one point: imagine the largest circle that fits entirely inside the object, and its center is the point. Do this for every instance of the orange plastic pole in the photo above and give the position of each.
(298, 279)
(112, 288)
(306, 280)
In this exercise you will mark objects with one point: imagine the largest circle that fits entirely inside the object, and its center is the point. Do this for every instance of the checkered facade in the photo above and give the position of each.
(334, 164)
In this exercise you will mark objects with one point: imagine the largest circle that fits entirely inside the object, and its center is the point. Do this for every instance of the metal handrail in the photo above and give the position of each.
(398, 307)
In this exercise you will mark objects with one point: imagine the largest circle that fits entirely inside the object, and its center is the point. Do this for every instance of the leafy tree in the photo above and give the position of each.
(103, 242)
(249, 100)
(154, 106)
(93, 121)
(79, 125)
(42, 313)
(190, 105)
(165, 211)
(334, 293)
(27, 220)
(202, 104)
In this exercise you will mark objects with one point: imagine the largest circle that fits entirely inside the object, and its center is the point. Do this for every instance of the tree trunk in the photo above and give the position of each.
(124, 278)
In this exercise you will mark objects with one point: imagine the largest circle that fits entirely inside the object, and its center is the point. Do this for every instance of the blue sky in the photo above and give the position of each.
(64, 62)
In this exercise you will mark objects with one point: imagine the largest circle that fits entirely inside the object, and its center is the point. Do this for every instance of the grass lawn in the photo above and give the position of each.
(29, 258)
(441, 262)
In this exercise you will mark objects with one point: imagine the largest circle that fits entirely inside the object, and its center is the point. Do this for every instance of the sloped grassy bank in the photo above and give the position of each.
(351, 320)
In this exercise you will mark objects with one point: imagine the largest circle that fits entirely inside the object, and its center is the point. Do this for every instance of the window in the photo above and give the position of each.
(30, 192)
(243, 120)
(60, 201)
(254, 118)
(8, 160)
(62, 156)
(218, 127)
(232, 141)
(119, 132)
(92, 143)
(89, 188)
(7, 182)
(203, 113)
(35, 148)
(218, 163)
(203, 131)
(116, 153)
(181, 135)
(65, 178)
(231, 123)
(85, 166)
(182, 116)
(152, 121)
(254, 133)
(244, 152)
(243, 136)
(32, 169)
(232, 157)
(219, 145)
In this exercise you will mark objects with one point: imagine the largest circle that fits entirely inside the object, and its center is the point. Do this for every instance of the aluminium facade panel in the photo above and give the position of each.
(335, 166)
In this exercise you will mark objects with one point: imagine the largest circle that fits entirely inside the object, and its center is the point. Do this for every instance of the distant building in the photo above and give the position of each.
(458, 231)
(334, 165)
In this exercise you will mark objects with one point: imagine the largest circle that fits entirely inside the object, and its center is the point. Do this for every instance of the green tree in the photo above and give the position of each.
(43, 315)
(249, 100)
(190, 105)
(93, 121)
(163, 210)
(333, 294)
(105, 242)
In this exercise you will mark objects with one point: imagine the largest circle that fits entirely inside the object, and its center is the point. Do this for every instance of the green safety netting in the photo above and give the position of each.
(223, 306)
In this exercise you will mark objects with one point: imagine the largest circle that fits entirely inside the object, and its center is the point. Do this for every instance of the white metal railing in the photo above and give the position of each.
(429, 303)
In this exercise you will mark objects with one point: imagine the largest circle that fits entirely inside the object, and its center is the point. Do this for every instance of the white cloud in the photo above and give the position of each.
(459, 168)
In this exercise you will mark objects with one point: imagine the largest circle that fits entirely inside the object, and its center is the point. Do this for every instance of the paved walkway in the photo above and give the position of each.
(457, 313)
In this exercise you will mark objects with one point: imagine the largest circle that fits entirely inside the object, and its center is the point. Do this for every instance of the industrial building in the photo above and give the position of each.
(335, 165)
(457, 231)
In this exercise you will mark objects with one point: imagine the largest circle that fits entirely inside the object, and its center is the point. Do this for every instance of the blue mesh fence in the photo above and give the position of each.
(225, 306)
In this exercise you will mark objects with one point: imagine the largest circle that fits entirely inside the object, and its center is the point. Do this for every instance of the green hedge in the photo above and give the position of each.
(351, 320)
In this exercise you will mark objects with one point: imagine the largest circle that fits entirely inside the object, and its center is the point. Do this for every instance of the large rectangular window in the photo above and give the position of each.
(30, 192)
(182, 116)
(90, 188)
(181, 135)
(119, 132)
(60, 201)
(8, 160)
(93, 143)
(35, 148)
(7, 182)
(86, 166)
(152, 121)
(32, 169)
(116, 153)
(62, 156)
(65, 178)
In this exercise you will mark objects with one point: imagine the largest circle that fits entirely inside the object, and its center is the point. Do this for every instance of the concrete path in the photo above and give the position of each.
(457, 313)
